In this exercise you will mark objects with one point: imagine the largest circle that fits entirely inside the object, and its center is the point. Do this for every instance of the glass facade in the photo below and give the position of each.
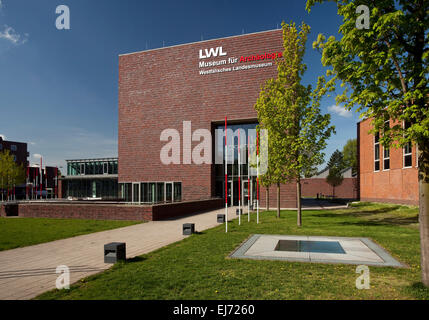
(92, 178)
(151, 192)
(92, 167)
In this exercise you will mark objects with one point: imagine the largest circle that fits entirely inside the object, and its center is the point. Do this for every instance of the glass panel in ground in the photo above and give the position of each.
(310, 246)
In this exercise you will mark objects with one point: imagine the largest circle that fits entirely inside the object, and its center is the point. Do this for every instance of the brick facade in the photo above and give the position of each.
(348, 189)
(397, 184)
(161, 88)
(106, 211)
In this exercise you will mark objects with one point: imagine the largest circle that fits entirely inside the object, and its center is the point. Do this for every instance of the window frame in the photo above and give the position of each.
(409, 154)
(377, 145)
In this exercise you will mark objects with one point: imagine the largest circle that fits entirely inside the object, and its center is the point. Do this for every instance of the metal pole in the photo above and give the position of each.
(248, 178)
(41, 178)
(239, 181)
(226, 179)
(257, 177)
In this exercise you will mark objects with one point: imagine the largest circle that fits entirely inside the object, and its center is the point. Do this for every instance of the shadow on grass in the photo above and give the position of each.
(136, 259)
(361, 213)
(388, 221)
(419, 291)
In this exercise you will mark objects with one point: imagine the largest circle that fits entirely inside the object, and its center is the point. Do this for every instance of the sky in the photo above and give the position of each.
(59, 88)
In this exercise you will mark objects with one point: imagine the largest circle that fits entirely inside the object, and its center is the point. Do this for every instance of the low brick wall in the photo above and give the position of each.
(172, 210)
(347, 190)
(113, 211)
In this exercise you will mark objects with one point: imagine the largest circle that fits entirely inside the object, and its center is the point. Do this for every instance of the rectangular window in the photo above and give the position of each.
(105, 167)
(82, 168)
(160, 192)
(386, 159)
(1, 146)
(377, 152)
(13, 147)
(151, 192)
(177, 191)
(408, 156)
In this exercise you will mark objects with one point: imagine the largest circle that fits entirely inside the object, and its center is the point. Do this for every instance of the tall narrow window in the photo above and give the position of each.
(177, 191)
(386, 158)
(386, 150)
(377, 152)
(408, 156)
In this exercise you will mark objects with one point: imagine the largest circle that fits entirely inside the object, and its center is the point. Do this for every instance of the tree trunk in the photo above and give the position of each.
(278, 200)
(298, 201)
(268, 198)
(423, 155)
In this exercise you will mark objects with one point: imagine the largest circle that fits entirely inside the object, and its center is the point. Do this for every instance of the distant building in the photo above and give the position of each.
(41, 184)
(346, 173)
(386, 174)
(91, 179)
(17, 149)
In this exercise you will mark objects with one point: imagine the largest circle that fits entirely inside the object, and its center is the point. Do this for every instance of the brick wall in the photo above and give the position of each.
(347, 190)
(396, 185)
(112, 211)
(287, 196)
(159, 89)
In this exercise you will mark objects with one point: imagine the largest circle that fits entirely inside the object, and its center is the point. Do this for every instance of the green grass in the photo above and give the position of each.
(21, 232)
(199, 268)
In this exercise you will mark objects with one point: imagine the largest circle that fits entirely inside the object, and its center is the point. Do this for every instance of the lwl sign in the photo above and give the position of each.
(212, 52)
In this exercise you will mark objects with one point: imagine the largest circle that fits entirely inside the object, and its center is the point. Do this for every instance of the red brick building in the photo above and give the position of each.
(203, 83)
(386, 175)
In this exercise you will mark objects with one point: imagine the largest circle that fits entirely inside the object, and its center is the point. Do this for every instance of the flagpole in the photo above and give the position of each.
(41, 179)
(239, 181)
(226, 179)
(257, 177)
(248, 177)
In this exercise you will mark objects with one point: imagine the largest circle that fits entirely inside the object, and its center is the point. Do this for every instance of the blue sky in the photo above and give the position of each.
(58, 88)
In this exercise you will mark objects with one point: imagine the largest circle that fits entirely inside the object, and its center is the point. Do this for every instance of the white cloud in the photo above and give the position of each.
(1, 5)
(11, 35)
(2, 135)
(341, 111)
(37, 156)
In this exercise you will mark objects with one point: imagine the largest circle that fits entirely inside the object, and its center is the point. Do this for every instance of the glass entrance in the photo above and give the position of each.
(247, 192)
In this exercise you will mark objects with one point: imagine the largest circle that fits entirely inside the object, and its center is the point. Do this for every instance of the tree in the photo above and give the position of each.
(290, 112)
(350, 154)
(335, 166)
(10, 173)
(384, 72)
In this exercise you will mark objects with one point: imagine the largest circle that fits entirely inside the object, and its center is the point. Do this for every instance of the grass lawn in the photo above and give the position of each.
(21, 232)
(198, 266)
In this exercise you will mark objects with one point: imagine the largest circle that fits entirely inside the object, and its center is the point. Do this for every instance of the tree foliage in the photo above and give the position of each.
(11, 174)
(383, 70)
(350, 154)
(336, 165)
(291, 113)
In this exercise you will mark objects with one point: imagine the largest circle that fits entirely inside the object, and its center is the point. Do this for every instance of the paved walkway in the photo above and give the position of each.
(29, 271)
